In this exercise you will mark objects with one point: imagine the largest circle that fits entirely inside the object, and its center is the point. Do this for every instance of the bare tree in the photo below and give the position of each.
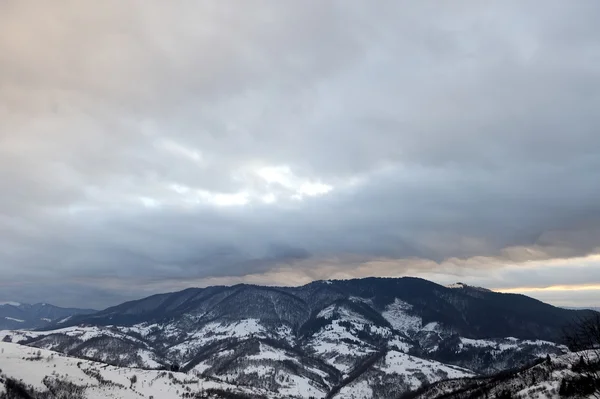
(583, 337)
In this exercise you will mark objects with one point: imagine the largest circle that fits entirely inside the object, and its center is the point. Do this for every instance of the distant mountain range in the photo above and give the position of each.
(14, 315)
(373, 337)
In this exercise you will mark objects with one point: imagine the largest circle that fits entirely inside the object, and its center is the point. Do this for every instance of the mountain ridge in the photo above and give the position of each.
(465, 310)
(15, 315)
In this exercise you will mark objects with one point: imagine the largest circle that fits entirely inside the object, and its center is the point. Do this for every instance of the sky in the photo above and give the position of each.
(149, 146)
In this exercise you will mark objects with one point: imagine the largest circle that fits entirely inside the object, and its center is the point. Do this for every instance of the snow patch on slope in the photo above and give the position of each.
(397, 314)
(356, 390)
(10, 303)
(13, 319)
(401, 371)
(401, 363)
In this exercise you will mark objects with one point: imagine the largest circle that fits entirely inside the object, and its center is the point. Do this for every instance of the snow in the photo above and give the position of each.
(523, 384)
(335, 333)
(326, 313)
(509, 343)
(216, 331)
(339, 345)
(301, 387)
(238, 329)
(267, 352)
(10, 303)
(401, 363)
(539, 391)
(342, 312)
(270, 353)
(355, 391)
(148, 359)
(432, 327)
(463, 285)
(478, 343)
(361, 300)
(16, 335)
(143, 329)
(288, 382)
(397, 315)
(457, 285)
(202, 367)
(13, 319)
(339, 354)
(13, 362)
(349, 315)
(149, 382)
(259, 370)
(225, 353)
(82, 333)
(410, 369)
(400, 344)
(336, 343)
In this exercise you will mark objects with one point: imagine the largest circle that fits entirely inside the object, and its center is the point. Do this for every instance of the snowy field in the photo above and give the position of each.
(32, 366)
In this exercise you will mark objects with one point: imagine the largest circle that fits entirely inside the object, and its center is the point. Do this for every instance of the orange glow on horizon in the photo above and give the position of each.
(574, 287)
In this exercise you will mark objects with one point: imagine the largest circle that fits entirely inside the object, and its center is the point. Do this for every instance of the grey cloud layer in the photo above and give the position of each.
(443, 131)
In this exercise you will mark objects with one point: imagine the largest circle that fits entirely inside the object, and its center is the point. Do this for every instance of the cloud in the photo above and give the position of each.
(153, 144)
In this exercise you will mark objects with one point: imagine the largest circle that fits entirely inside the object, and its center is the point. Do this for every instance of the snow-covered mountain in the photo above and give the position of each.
(346, 339)
(14, 315)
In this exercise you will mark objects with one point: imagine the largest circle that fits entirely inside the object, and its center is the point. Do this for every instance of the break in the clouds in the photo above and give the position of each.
(147, 145)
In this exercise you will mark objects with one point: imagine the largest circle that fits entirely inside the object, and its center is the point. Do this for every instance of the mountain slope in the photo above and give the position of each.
(15, 315)
(41, 371)
(464, 310)
(541, 379)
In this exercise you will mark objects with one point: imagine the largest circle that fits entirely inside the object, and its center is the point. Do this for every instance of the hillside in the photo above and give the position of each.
(545, 378)
(38, 371)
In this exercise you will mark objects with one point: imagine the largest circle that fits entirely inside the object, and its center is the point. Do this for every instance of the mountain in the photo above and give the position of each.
(14, 315)
(465, 310)
(374, 337)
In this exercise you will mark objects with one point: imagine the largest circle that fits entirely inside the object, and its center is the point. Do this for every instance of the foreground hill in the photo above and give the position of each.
(27, 372)
(355, 338)
(553, 377)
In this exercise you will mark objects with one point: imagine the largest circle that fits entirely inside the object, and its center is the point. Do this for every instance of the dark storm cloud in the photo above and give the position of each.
(152, 145)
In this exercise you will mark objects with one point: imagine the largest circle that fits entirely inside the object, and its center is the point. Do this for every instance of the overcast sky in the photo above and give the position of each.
(148, 146)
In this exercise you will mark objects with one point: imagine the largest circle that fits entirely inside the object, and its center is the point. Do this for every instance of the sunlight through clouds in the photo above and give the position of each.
(297, 186)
